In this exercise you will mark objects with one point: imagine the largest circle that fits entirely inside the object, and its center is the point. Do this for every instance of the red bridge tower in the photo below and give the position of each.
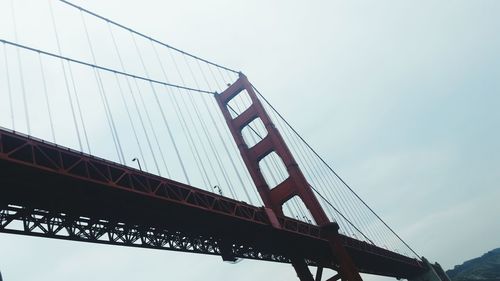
(295, 185)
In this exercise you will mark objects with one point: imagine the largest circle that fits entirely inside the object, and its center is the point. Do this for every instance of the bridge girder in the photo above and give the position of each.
(51, 191)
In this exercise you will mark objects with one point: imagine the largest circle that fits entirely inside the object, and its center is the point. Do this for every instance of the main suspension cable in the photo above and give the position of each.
(103, 68)
(144, 36)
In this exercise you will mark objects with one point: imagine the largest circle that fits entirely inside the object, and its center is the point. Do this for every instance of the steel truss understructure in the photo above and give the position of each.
(43, 223)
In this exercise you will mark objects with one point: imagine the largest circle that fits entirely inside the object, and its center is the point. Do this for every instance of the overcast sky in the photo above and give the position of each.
(401, 97)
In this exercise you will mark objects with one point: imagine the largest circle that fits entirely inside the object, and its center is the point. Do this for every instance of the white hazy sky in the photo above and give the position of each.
(402, 97)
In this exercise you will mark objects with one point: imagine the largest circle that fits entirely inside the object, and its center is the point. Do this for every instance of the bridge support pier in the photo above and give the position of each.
(434, 272)
(347, 270)
(319, 273)
(303, 272)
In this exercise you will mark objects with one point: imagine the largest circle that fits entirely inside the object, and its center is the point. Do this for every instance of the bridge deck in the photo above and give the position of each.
(51, 191)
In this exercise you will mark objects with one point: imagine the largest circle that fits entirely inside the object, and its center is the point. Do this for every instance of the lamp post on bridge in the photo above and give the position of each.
(133, 160)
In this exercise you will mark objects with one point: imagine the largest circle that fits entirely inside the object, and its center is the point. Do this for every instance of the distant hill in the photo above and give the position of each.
(484, 268)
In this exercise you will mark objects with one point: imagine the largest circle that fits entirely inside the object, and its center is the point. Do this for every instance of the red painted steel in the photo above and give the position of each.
(296, 183)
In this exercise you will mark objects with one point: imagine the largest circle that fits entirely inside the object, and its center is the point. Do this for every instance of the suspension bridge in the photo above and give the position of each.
(111, 136)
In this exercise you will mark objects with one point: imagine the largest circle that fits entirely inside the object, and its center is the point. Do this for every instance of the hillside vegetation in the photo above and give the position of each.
(484, 268)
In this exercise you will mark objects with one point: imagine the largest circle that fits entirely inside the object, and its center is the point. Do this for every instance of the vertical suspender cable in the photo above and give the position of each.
(21, 74)
(162, 155)
(150, 123)
(286, 132)
(331, 179)
(104, 98)
(135, 102)
(323, 176)
(65, 76)
(307, 167)
(129, 116)
(167, 126)
(227, 179)
(9, 88)
(80, 114)
(46, 95)
(190, 118)
(345, 201)
(185, 128)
